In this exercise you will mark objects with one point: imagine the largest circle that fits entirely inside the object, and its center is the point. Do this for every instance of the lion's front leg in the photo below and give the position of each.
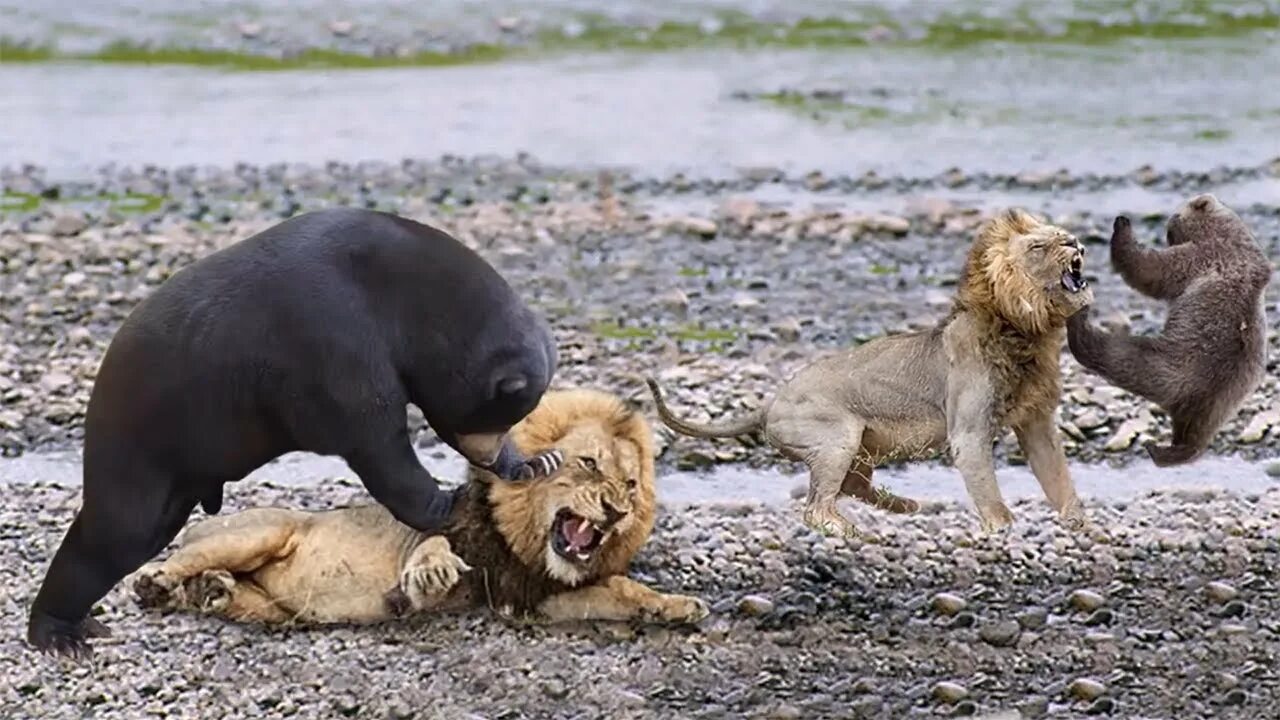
(618, 597)
(970, 433)
(430, 572)
(1041, 444)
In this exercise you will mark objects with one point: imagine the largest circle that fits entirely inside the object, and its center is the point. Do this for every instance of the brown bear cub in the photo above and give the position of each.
(1211, 353)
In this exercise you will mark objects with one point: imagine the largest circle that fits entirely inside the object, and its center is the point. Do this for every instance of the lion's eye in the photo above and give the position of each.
(631, 483)
(588, 463)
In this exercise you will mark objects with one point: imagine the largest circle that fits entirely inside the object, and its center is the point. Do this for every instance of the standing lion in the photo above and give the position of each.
(555, 548)
(991, 363)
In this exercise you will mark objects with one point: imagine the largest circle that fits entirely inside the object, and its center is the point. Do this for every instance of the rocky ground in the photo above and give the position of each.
(697, 280)
(1169, 608)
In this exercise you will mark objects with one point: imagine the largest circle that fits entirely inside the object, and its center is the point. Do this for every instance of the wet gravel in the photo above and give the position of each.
(705, 282)
(1169, 609)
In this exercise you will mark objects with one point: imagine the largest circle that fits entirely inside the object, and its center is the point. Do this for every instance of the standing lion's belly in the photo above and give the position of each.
(337, 573)
(905, 439)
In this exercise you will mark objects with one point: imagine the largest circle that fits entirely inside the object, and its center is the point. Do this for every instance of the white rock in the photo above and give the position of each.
(1260, 425)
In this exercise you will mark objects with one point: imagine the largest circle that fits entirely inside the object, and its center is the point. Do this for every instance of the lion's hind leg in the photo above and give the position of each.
(218, 592)
(620, 598)
(859, 485)
(241, 543)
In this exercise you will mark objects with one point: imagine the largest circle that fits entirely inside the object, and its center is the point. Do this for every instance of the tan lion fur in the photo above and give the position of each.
(358, 564)
(991, 362)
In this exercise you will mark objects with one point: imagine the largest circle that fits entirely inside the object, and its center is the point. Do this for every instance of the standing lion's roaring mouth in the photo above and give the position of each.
(1073, 279)
(574, 537)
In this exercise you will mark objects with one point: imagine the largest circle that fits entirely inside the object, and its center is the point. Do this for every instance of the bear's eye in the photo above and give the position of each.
(588, 463)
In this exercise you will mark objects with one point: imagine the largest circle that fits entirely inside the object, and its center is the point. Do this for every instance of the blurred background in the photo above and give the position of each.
(894, 86)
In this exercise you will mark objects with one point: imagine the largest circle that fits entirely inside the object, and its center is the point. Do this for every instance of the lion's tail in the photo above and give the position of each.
(733, 428)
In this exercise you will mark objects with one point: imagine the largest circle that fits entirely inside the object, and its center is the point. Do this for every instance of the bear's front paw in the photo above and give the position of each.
(541, 465)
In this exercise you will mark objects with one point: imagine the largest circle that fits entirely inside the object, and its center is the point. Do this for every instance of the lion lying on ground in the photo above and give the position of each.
(992, 362)
(554, 548)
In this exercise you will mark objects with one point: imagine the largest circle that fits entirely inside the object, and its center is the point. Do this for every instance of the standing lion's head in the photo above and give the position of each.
(592, 515)
(1027, 272)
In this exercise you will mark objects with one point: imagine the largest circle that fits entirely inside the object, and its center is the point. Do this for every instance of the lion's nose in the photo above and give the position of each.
(611, 513)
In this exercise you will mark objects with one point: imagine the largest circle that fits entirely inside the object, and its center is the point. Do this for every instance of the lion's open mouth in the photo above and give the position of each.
(573, 537)
(1073, 279)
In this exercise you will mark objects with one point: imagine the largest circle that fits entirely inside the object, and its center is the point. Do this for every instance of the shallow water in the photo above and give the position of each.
(746, 485)
(911, 112)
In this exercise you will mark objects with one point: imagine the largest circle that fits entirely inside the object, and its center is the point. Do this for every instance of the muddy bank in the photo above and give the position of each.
(1168, 609)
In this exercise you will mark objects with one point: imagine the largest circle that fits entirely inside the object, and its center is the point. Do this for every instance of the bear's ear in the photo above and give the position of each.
(1202, 203)
(512, 385)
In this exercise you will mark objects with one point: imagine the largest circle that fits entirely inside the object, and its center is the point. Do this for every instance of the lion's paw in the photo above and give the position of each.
(995, 520)
(683, 609)
(829, 521)
(1073, 517)
(433, 572)
(157, 589)
(211, 590)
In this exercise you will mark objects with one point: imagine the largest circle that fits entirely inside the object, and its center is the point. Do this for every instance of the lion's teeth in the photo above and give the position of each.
(584, 525)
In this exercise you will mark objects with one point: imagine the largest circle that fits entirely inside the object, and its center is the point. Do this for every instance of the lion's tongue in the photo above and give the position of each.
(577, 532)
(1071, 282)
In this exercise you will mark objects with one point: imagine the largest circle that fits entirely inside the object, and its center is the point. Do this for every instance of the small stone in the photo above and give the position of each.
(1086, 689)
(1220, 592)
(1004, 633)
(1233, 609)
(675, 300)
(1260, 425)
(887, 224)
(508, 23)
(1101, 706)
(786, 712)
(249, 30)
(1234, 697)
(787, 329)
(73, 279)
(962, 621)
(1086, 600)
(746, 302)
(949, 692)
(694, 225)
(1099, 617)
(1090, 419)
(1033, 618)
(69, 223)
(1273, 470)
(341, 28)
(755, 605)
(555, 689)
(56, 381)
(947, 604)
(1127, 433)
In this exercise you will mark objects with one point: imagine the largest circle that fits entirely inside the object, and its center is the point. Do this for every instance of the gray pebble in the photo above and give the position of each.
(1004, 633)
